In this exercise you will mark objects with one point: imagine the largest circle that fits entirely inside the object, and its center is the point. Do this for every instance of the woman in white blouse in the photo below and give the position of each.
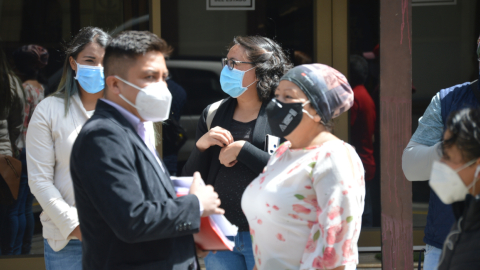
(305, 209)
(52, 131)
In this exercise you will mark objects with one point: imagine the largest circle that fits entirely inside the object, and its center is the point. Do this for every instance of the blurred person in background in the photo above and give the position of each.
(170, 149)
(454, 178)
(301, 58)
(362, 122)
(29, 61)
(12, 108)
(53, 128)
(231, 153)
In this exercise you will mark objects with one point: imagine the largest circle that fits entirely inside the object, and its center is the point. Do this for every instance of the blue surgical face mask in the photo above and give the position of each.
(232, 81)
(91, 78)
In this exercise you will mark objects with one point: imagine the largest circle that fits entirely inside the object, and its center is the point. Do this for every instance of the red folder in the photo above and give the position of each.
(211, 237)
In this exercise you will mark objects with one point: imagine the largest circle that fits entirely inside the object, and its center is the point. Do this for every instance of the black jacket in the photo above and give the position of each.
(462, 246)
(129, 215)
(252, 154)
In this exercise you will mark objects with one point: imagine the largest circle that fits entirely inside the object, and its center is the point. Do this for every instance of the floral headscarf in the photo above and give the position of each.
(327, 89)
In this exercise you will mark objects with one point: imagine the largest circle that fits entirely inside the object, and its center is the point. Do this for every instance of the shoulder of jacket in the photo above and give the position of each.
(455, 89)
(51, 102)
(100, 123)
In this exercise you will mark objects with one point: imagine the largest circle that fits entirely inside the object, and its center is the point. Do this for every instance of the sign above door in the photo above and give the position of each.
(230, 4)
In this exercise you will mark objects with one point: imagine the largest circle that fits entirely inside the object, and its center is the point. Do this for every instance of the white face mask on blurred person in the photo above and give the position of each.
(153, 101)
(448, 185)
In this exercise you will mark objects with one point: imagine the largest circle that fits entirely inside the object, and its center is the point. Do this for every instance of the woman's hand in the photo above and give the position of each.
(255, 267)
(228, 154)
(215, 136)
(77, 233)
(200, 252)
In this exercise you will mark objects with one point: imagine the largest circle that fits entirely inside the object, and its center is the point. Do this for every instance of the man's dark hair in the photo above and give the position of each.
(464, 127)
(127, 46)
(358, 71)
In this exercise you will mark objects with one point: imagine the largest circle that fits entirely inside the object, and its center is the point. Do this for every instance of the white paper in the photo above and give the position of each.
(184, 182)
(230, 243)
(221, 223)
(224, 225)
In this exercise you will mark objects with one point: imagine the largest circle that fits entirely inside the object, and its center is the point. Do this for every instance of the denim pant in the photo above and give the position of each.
(14, 220)
(68, 258)
(241, 258)
(432, 258)
(29, 223)
(367, 217)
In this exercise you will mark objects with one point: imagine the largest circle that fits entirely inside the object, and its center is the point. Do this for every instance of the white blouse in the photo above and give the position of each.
(50, 138)
(305, 209)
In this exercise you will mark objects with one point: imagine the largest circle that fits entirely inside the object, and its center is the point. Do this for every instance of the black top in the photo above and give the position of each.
(461, 248)
(129, 213)
(231, 182)
(252, 154)
(251, 159)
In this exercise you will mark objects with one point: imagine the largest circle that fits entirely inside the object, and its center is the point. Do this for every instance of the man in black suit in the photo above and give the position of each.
(130, 217)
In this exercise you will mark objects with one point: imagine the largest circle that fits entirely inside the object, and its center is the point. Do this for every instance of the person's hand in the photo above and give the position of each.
(206, 195)
(215, 136)
(200, 252)
(228, 154)
(255, 267)
(77, 233)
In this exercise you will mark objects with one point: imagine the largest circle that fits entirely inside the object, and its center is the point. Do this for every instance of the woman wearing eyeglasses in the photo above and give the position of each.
(229, 150)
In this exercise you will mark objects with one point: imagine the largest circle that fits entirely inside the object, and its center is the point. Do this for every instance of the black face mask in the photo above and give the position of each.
(284, 117)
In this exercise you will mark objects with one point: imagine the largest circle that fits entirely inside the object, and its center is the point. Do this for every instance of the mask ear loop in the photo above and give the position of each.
(305, 111)
(309, 115)
(253, 81)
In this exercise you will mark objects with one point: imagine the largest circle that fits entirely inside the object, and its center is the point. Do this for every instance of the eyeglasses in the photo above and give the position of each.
(231, 63)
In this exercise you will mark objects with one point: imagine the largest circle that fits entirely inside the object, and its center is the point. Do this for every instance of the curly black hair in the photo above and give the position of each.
(464, 127)
(269, 59)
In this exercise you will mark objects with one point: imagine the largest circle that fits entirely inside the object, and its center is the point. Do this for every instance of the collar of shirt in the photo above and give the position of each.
(144, 129)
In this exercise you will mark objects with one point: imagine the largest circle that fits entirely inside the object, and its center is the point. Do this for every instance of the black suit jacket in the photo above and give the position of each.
(130, 217)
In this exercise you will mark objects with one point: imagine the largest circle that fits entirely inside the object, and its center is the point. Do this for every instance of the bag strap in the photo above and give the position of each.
(211, 113)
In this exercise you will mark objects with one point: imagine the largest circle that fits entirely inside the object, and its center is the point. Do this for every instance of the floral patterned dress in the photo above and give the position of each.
(305, 209)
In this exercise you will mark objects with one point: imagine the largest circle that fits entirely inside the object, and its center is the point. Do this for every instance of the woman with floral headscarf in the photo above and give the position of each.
(305, 209)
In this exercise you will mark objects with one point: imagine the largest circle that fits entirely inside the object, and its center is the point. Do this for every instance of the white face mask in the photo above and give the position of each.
(448, 185)
(153, 102)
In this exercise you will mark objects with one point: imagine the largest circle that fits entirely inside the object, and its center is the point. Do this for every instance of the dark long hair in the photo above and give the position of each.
(68, 86)
(6, 96)
(29, 62)
(270, 62)
(464, 127)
